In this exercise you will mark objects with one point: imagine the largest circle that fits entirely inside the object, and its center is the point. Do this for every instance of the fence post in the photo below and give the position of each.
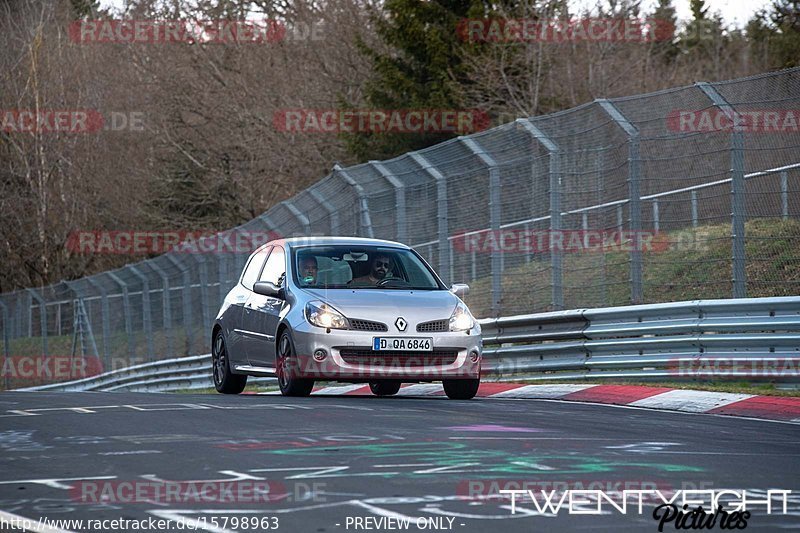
(18, 310)
(6, 344)
(656, 224)
(399, 199)
(222, 272)
(126, 308)
(79, 309)
(694, 209)
(147, 321)
(785, 195)
(186, 298)
(634, 196)
(441, 211)
(365, 222)
(42, 318)
(166, 309)
(556, 268)
(299, 216)
(495, 218)
(333, 214)
(202, 274)
(738, 215)
(106, 318)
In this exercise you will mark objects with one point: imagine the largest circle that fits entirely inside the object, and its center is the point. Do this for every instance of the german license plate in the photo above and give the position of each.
(402, 344)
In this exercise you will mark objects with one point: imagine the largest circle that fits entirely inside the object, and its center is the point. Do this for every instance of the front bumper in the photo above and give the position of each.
(363, 364)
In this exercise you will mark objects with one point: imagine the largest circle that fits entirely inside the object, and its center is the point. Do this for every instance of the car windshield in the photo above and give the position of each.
(361, 267)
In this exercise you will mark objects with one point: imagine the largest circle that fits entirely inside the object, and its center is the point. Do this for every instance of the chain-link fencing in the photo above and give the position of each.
(688, 193)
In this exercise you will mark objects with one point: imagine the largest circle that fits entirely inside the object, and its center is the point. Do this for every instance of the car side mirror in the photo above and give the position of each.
(460, 289)
(267, 288)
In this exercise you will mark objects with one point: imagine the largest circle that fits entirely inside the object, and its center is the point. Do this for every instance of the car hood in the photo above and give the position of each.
(386, 306)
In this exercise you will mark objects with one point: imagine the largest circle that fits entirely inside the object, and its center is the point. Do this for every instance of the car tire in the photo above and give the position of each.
(384, 388)
(286, 369)
(225, 381)
(461, 389)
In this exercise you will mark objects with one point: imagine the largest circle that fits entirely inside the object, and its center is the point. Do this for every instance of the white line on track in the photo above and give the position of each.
(35, 526)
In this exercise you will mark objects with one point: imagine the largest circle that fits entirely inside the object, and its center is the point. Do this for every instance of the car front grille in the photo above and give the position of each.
(434, 326)
(388, 359)
(367, 325)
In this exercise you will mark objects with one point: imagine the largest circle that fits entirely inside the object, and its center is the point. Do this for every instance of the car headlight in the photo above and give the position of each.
(324, 316)
(461, 319)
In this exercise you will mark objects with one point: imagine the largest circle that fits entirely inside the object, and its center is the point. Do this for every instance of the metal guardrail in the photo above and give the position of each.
(753, 339)
(757, 338)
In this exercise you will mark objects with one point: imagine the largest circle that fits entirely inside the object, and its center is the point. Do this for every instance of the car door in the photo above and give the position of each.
(238, 334)
(264, 312)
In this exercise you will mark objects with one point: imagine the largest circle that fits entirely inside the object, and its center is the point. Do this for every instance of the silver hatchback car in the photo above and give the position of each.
(344, 309)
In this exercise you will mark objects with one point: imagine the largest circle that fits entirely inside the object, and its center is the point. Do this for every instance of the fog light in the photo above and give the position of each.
(474, 356)
(320, 354)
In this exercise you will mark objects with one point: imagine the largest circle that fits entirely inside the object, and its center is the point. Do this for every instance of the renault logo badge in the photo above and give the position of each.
(401, 324)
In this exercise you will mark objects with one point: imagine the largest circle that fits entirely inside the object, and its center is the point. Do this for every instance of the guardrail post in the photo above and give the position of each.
(441, 211)
(399, 199)
(166, 309)
(785, 195)
(6, 345)
(738, 215)
(634, 196)
(333, 214)
(556, 269)
(365, 220)
(299, 216)
(42, 318)
(694, 209)
(186, 298)
(105, 317)
(126, 309)
(495, 217)
(147, 320)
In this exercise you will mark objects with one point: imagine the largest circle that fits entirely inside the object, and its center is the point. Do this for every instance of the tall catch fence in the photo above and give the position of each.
(631, 200)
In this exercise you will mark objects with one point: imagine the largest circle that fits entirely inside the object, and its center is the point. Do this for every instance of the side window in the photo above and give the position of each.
(275, 267)
(253, 268)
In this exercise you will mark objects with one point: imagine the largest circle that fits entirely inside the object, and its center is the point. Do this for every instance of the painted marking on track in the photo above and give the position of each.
(340, 389)
(166, 406)
(56, 482)
(11, 518)
(421, 389)
(380, 511)
(177, 516)
(690, 400)
(493, 428)
(541, 391)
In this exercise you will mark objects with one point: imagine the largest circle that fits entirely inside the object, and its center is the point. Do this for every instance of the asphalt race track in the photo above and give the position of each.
(330, 461)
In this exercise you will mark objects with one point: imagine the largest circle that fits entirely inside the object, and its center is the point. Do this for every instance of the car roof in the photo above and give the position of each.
(297, 242)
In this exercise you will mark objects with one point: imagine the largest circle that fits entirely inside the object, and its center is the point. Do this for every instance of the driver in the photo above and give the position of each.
(379, 269)
(308, 270)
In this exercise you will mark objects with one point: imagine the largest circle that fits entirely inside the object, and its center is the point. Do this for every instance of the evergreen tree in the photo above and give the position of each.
(423, 69)
(666, 21)
(777, 31)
